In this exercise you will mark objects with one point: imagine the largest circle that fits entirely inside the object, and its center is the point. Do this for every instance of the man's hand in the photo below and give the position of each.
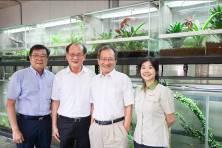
(126, 126)
(17, 136)
(55, 134)
(128, 117)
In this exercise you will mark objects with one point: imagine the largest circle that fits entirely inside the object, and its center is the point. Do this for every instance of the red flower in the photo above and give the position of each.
(124, 22)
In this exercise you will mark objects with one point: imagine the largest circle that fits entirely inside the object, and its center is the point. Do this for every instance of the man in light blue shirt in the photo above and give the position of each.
(29, 99)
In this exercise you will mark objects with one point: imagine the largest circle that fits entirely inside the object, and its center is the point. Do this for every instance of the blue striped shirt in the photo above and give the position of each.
(31, 91)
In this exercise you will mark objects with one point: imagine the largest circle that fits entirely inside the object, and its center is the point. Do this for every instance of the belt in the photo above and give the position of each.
(78, 119)
(27, 117)
(109, 122)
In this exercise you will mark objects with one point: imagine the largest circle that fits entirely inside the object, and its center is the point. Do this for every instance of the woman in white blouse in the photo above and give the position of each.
(154, 109)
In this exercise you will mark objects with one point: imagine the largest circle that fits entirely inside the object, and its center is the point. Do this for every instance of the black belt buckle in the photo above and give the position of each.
(40, 118)
(76, 119)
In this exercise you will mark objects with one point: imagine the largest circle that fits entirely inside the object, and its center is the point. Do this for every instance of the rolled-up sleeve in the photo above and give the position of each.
(128, 92)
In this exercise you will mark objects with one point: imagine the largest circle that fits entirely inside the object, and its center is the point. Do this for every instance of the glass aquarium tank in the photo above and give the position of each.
(3, 115)
(190, 28)
(132, 30)
(54, 34)
(198, 109)
(57, 34)
(13, 42)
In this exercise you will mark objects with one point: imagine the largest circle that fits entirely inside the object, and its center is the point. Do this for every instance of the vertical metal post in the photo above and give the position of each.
(207, 122)
(113, 3)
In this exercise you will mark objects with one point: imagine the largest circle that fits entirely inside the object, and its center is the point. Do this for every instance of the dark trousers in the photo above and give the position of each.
(74, 132)
(36, 133)
(136, 145)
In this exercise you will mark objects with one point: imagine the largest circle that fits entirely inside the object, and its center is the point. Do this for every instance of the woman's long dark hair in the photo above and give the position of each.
(155, 65)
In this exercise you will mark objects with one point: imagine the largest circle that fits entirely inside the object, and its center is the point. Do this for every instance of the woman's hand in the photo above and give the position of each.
(170, 119)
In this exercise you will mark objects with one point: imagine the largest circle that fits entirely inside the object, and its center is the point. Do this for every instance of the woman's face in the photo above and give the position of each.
(147, 71)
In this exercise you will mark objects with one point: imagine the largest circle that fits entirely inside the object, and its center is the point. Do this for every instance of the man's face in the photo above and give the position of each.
(75, 56)
(107, 61)
(39, 59)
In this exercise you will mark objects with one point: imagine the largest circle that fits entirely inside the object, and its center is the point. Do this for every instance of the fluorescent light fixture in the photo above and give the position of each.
(125, 12)
(16, 30)
(57, 23)
(172, 4)
(43, 25)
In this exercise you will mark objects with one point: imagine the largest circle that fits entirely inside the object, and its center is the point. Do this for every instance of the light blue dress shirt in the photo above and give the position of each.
(31, 91)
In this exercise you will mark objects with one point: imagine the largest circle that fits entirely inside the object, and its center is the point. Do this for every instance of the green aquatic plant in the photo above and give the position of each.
(215, 19)
(76, 36)
(192, 26)
(105, 35)
(189, 129)
(56, 39)
(176, 28)
(127, 30)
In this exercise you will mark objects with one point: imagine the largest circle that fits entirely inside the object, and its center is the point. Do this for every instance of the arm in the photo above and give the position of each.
(16, 133)
(55, 131)
(170, 119)
(167, 103)
(128, 117)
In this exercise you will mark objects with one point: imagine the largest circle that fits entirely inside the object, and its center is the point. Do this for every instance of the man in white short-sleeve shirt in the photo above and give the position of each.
(71, 100)
(112, 99)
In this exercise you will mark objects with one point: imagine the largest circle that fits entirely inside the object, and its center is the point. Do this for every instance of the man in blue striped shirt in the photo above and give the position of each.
(29, 99)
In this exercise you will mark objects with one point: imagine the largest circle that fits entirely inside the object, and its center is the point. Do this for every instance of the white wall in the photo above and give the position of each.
(39, 11)
(9, 16)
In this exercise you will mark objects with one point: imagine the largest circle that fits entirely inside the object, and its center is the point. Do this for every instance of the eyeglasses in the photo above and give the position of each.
(107, 59)
(75, 55)
(43, 56)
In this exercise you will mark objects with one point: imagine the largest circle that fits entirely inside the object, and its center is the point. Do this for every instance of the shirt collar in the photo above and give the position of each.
(36, 73)
(153, 85)
(83, 70)
(111, 74)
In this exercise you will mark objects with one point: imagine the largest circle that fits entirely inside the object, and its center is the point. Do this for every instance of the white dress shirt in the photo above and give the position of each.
(110, 94)
(72, 90)
(151, 107)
